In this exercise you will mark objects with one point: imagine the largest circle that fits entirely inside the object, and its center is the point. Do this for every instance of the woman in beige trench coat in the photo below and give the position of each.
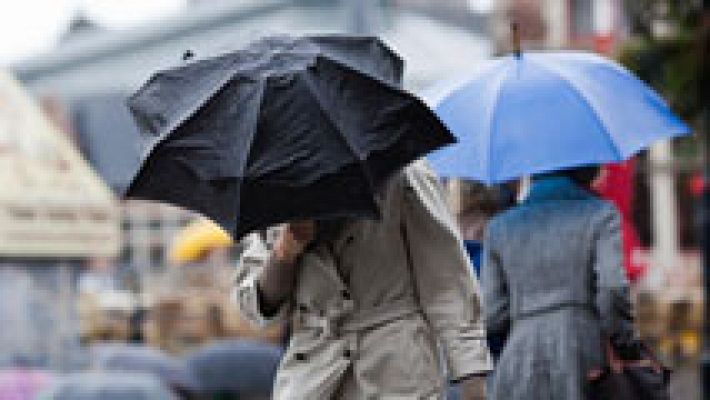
(377, 306)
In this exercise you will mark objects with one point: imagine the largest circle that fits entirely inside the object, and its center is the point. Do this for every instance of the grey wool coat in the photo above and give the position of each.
(553, 281)
(375, 309)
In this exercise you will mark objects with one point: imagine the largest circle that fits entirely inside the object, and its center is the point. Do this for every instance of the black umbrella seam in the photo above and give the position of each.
(162, 136)
(344, 138)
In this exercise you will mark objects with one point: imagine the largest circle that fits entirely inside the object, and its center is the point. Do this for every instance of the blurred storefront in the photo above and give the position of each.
(55, 213)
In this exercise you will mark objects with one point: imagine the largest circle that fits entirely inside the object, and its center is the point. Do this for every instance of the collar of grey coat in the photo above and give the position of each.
(556, 188)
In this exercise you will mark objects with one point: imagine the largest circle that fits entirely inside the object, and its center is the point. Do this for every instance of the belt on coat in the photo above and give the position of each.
(553, 308)
(356, 320)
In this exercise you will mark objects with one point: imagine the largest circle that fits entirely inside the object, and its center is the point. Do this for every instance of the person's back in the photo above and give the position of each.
(553, 281)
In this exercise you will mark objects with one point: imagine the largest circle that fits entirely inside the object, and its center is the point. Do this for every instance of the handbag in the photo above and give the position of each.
(642, 379)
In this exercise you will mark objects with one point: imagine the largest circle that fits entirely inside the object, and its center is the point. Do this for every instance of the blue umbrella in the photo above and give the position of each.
(537, 112)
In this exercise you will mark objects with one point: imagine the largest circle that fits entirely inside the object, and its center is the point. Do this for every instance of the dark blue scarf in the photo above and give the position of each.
(556, 188)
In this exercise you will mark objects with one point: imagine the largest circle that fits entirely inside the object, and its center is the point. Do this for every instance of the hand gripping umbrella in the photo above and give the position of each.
(288, 128)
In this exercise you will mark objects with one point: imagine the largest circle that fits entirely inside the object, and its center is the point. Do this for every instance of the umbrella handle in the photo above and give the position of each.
(515, 30)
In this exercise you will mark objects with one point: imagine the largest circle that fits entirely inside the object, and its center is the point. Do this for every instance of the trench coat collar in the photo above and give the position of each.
(556, 188)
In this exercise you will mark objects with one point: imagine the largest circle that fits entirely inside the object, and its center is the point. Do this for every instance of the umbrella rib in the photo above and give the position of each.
(580, 94)
(489, 163)
(344, 138)
(363, 74)
(163, 135)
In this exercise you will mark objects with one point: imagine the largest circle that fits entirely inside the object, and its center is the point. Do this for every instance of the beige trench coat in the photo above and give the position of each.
(370, 321)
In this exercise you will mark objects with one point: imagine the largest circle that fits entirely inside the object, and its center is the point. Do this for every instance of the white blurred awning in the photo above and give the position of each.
(51, 203)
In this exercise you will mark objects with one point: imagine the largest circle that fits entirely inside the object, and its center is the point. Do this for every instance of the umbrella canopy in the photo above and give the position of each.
(240, 366)
(538, 112)
(109, 386)
(289, 128)
(143, 359)
(193, 241)
(22, 384)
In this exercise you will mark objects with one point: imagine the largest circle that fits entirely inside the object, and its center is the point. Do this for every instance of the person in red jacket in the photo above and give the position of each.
(617, 186)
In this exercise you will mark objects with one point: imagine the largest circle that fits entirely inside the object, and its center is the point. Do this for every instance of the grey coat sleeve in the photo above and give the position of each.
(447, 291)
(496, 299)
(613, 301)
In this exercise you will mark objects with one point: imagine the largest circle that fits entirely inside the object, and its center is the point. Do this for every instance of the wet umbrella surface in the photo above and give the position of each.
(241, 367)
(289, 128)
(109, 386)
(143, 359)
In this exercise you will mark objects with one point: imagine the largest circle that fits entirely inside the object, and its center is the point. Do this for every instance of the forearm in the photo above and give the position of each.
(276, 283)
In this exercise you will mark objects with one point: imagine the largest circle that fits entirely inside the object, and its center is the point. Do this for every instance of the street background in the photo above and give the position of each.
(79, 266)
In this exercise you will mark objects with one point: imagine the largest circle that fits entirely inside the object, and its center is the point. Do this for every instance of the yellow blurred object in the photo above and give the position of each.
(690, 343)
(196, 239)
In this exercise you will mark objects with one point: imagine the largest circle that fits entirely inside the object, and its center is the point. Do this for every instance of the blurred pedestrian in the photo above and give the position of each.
(553, 281)
(479, 204)
(369, 300)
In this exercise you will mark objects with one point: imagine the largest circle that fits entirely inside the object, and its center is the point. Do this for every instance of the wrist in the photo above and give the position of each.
(285, 256)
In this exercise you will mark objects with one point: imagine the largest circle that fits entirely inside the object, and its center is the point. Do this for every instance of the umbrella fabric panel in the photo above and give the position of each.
(345, 194)
(211, 144)
(359, 53)
(470, 156)
(243, 367)
(296, 142)
(172, 96)
(175, 183)
(317, 122)
(373, 117)
(144, 359)
(109, 386)
(548, 120)
(615, 95)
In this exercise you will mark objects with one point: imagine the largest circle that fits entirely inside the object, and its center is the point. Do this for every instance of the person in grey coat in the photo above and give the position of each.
(553, 282)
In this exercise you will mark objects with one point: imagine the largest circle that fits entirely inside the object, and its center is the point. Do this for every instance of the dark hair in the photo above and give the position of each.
(582, 176)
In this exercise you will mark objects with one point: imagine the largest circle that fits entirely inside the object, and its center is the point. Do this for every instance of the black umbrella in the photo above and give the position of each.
(289, 128)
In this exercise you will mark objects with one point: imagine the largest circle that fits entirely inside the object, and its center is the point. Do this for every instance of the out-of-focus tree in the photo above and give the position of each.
(667, 50)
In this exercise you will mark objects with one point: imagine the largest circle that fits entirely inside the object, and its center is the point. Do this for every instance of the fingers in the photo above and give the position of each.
(293, 240)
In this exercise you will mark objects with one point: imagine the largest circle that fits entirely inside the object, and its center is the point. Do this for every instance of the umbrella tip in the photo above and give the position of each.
(515, 30)
(188, 55)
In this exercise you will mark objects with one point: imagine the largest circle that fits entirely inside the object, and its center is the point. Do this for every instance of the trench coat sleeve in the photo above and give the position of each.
(446, 289)
(495, 289)
(613, 300)
(246, 291)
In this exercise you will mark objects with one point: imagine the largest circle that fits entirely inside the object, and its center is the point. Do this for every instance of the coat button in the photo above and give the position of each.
(302, 308)
(300, 357)
(349, 240)
(347, 353)
(345, 294)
